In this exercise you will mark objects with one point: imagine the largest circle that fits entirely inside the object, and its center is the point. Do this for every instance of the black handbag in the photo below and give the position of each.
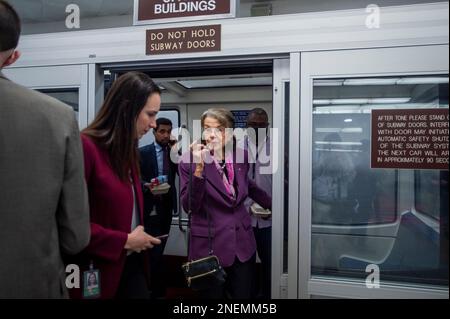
(204, 273)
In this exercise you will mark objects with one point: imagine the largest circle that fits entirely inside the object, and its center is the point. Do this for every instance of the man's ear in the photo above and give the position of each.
(12, 59)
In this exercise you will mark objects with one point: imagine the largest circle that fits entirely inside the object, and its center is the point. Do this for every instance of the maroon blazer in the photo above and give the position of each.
(111, 209)
(231, 224)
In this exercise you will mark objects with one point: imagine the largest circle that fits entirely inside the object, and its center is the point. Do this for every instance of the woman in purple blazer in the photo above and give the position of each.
(220, 186)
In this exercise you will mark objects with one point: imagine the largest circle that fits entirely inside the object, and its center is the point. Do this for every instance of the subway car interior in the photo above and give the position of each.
(187, 94)
(321, 74)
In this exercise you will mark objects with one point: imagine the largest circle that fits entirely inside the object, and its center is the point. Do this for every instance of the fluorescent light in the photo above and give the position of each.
(339, 130)
(328, 82)
(345, 109)
(398, 100)
(423, 80)
(322, 102)
(348, 120)
(338, 150)
(391, 81)
(349, 101)
(328, 130)
(352, 130)
(211, 83)
(338, 143)
(383, 81)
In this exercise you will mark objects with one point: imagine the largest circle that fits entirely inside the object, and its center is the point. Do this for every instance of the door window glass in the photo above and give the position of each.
(395, 218)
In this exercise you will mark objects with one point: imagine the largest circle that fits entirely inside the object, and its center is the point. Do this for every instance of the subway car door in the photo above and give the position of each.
(188, 91)
(360, 214)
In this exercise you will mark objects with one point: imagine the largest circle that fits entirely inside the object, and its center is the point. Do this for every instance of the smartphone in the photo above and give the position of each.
(163, 236)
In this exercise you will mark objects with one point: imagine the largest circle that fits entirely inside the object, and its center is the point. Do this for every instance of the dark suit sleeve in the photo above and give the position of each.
(73, 212)
(198, 188)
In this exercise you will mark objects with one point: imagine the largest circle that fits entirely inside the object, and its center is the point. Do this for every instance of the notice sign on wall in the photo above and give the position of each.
(160, 11)
(184, 40)
(240, 118)
(410, 139)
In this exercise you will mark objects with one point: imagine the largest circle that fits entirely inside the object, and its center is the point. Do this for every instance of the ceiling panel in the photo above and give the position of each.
(39, 11)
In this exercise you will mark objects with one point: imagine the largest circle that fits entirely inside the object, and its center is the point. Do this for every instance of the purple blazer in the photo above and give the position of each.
(231, 224)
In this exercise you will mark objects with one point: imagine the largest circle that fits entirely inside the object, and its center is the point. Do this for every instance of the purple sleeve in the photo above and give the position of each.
(259, 196)
(198, 188)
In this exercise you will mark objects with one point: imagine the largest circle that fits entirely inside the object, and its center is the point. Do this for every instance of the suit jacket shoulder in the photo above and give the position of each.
(29, 102)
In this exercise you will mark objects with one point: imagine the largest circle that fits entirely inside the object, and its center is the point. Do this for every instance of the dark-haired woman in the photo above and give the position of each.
(115, 195)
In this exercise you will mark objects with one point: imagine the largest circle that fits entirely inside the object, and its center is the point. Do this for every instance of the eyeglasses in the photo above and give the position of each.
(214, 130)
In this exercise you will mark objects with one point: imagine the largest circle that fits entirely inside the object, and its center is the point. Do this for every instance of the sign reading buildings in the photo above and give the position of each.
(410, 139)
(161, 11)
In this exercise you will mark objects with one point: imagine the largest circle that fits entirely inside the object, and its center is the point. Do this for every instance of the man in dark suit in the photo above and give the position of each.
(159, 209)
(44, 208)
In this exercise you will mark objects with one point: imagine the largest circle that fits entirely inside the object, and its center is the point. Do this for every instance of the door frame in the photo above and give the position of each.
(281, 78)
(282, 71)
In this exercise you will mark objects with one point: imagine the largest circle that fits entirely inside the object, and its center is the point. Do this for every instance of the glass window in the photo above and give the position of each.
(67, 96)
(428, 192)
(394, 218)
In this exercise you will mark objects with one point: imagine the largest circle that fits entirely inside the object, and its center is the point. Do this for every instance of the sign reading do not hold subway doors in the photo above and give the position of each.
(165, 11)
(184, 40)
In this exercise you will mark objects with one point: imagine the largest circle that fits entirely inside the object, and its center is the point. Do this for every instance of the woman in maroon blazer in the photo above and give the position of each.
(220, 186)
(115, 195)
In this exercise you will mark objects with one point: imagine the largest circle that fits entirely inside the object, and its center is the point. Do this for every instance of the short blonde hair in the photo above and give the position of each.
(223, 116)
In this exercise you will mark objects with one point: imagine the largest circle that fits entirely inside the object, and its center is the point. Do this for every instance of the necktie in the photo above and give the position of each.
(166, 160)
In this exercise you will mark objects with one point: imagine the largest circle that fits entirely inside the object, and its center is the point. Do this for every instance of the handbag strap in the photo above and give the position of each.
(211, 252)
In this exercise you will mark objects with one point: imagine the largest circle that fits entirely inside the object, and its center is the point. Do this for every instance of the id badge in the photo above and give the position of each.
(91, 283)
